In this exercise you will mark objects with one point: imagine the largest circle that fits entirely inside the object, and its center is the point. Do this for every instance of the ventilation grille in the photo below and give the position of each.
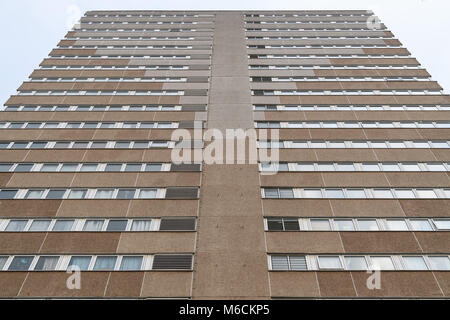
(185, 224)
(170, 262)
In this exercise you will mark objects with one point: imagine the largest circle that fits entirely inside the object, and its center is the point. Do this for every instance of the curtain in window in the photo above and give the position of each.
(105, 263)
(81, 262)
(141, 225)
(93, 225)
(77, 194)
(46, 263)
(147, 194)
(131, 263)
(104, 194)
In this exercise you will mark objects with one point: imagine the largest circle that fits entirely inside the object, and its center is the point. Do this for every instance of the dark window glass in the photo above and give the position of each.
(20, 263)
(116, 225)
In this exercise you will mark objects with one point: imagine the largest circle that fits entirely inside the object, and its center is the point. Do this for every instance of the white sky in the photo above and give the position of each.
(29, 29)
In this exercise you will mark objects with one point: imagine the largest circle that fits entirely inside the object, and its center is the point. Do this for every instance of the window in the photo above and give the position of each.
(93, 225)
(40, 225)
(104, 193)
(16, 225)
(279, 262)
(153, 167)
(46, 263)
(420, 225)
(3, 260)
(141, 225)
(69, 167)
(105, 263)
(439, 263)
(110, 167)
(274, 225)
(425, 193)
(320, 224)
(334, 193)
(368, 225)
(89, 167)
(329, 262)
(23, 167)
(55, 194)
(382, 263)
(442, 224)
(396, 225)
(20, 263)
(34, 194)
(63, 225)
(355, 263)
(82, 262)
(415, 263)
(117, 225)
(312, 193)
(271, 193)
(7, 194)
(147, 193)
(77, 194)
(131, 263)
(344, 224)
(126, 193)
(382, 193)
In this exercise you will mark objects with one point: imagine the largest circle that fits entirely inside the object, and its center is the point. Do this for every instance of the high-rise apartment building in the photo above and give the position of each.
(361, 182)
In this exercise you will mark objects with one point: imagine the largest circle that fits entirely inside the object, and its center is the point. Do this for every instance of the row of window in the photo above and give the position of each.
(355, 193)
(353, 166)
(337, 22)
(96, 262)
(278, 262)
(86, 144)
(150, 15)
(98, 46)
(119, 79)
(84, 21)
(351, 124)
(97, 167)
(309, 14)
(381, 36)
(337, 67)
(96, 108)
(97, 225)
(101, 93)
(118, 56)
(312, 27)
(88, 125)
(327, 55)
(78, 37)
(326, 45)
(272, 107)
(109, 67)
(338, 78)
(321, 144)
(356, 224)
(343, 92)
(109, 29)
(100, 193)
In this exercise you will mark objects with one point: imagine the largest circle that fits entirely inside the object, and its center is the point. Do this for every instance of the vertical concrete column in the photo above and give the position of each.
(230, 257)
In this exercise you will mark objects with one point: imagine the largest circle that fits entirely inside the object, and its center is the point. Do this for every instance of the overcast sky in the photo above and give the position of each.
(31, 28)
